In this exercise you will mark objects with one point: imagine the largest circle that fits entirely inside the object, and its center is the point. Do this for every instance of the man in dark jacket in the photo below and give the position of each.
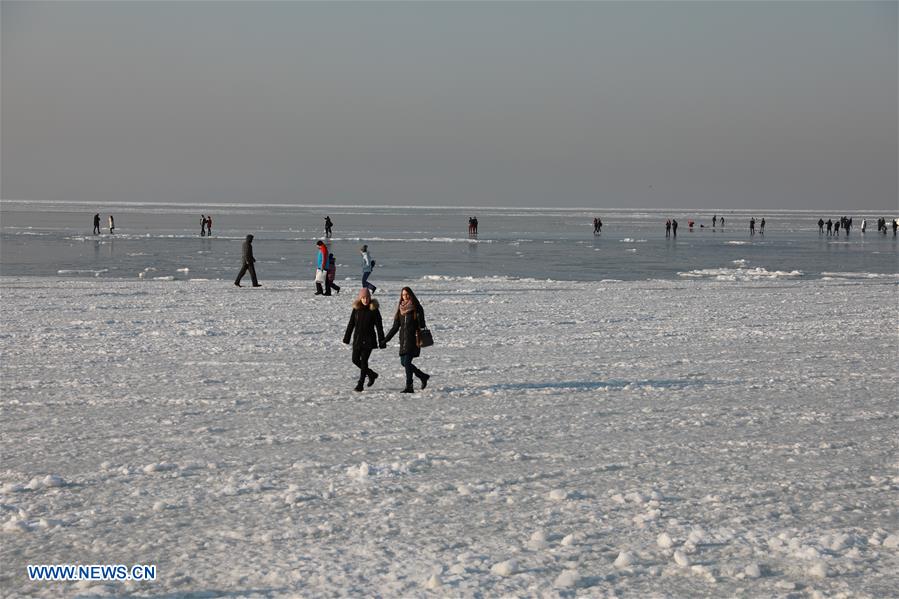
(364, 322)
(248, 261)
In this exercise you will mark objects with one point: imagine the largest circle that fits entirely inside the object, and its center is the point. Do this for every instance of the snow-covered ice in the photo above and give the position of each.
(732, 433)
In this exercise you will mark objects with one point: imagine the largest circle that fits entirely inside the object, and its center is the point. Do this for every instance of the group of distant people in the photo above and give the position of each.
(365, 329)
(833, 226)
(205, 225)
(752, 226)
(597, 226)
(671, 225)
(110, 222)
(472, 226)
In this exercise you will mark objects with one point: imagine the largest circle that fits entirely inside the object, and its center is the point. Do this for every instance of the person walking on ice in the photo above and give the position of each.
(247, 264)
(368, 264)
(367, 332)
(330, 275)
(321, 267)
(97, 224)
(408, 319)
(111, 225)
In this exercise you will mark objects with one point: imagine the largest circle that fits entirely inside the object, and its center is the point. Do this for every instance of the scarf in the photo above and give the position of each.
(406, 307)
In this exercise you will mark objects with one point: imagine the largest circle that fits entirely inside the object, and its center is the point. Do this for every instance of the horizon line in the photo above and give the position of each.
(407, 206)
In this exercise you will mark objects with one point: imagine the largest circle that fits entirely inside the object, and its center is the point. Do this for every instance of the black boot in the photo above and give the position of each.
(318, 289)
(358, 385)
(424, 380)
(372, 375)
(408, 390)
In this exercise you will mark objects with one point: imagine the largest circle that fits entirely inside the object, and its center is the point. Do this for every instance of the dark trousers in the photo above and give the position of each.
(360, 359)
(406, 361)
(329, 285)
(243, 270)
(365, 282)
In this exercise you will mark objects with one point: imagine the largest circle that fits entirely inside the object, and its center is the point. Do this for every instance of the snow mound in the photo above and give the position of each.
(506, 568)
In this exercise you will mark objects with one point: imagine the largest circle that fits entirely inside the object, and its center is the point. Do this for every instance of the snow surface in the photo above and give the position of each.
(699, 437)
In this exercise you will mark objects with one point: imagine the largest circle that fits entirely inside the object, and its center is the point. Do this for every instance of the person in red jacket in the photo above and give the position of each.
(321, 267)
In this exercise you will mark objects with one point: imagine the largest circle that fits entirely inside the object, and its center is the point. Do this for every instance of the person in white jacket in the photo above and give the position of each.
(367, 265)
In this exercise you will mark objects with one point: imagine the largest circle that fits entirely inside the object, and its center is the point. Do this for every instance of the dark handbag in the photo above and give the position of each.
(423, 338)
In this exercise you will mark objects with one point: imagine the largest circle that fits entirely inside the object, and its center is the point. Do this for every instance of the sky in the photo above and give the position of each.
(790, 105)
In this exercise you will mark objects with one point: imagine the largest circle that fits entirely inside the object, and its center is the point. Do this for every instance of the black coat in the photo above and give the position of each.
(407, 325)
(248, 250)
(364, 322)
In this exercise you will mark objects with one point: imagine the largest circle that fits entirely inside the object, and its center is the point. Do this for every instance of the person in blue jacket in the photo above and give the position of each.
(321, 267)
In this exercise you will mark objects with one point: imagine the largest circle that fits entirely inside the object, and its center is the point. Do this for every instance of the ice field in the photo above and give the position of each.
(730, 434)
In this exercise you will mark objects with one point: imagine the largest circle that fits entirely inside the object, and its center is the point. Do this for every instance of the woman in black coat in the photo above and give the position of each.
(364, 322)
(409, 318)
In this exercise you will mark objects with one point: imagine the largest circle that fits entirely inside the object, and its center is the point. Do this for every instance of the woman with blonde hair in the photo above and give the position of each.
(365, 321)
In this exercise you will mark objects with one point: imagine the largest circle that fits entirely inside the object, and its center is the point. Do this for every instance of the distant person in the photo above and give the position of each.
(474, 223)
(97, 224)
(848, 225)
(752, 226)
(408, 319)
(836, 228)
(829, 227)
(202, 225)
(321, 267)
(722, 222)
(329, 277)
(595, 225)
(470, 226)
(674, 227)
(895, 226)
(598, 225)
(714, 221)
(820, 226)
(367, 333)
(368, 264)
(111, 225)
(328, 226)
(762, 227)
(668, 228)
(247, 263)
(209, 225)
(864, 224)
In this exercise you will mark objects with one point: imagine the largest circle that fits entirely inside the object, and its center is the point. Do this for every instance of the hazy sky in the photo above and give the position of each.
(594, 104)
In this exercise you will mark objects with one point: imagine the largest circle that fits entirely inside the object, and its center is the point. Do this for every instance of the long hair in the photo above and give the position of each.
(415, 301)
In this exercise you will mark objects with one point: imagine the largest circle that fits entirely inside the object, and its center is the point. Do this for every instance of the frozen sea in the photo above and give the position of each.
(161, 240)
(715, 419)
